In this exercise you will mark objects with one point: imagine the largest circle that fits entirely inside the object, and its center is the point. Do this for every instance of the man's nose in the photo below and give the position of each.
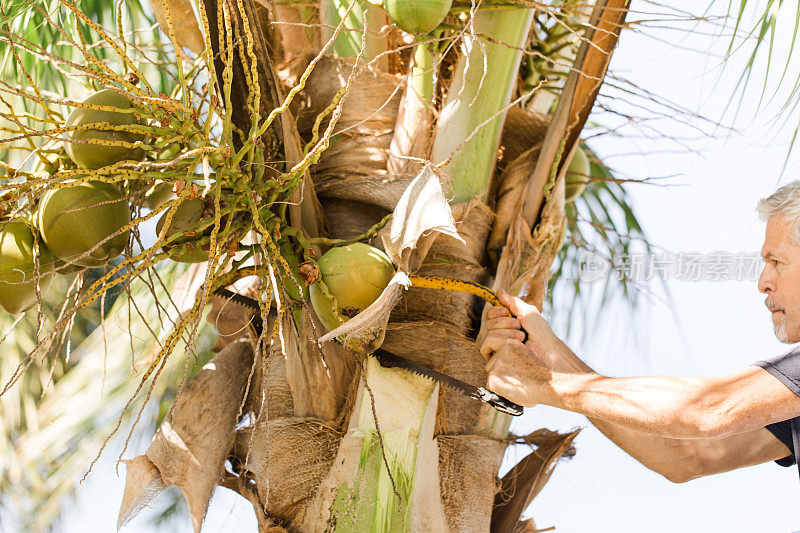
(766, 282)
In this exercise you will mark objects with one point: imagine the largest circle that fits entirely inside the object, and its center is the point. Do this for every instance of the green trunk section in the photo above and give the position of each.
(493, 424)
(348, 42)
(422, 72)
(403, 404)
(475, 97)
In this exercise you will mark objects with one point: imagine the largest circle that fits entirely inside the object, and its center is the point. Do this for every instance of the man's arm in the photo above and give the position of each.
(676, 407)
(679, 460)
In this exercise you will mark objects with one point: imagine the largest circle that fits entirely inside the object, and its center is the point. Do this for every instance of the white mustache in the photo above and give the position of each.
(772, 306)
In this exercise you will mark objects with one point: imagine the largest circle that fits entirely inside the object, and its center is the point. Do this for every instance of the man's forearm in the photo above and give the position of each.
(557, 356)
(651, 405)
(666, 456)
(665, 406)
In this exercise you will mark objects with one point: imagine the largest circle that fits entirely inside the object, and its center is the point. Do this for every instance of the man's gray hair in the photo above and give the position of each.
(784, 201)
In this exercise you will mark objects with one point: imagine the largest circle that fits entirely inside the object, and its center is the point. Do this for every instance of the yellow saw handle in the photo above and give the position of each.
(433, 282)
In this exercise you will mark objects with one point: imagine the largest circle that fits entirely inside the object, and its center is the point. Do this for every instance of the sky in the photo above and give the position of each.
(713, 327)
(710, 327)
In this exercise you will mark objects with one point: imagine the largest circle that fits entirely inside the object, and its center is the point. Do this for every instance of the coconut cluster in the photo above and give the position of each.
(84, 223)
(78, 226)
(81, 223)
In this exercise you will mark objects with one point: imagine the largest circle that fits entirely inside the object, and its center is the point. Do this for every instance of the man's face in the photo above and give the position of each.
(780, 279)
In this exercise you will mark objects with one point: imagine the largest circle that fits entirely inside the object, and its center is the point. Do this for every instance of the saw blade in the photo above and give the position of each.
(241, 299)
(246, 302)
(390, 360)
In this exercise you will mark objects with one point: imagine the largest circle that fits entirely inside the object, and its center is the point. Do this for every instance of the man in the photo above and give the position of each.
(681, 427)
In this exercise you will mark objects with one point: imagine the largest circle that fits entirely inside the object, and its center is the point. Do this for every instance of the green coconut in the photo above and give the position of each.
(75, 219)
(17, 281)
(417, 17)
(187, 215)
(578, 174)
(355, 275)
(157, 195)
(91, 154)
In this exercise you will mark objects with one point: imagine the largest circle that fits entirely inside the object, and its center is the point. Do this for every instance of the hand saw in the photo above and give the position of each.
(390, 360)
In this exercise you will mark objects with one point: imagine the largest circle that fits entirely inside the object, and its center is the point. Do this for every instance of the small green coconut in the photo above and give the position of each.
(187, 215)
(91, 154)
(417, 17)
(355, 275)
(76, 219)
(157, 195)
(578, 174)
(17, 281)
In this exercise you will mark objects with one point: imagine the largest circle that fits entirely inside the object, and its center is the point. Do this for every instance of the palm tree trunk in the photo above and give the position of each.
(331, 440)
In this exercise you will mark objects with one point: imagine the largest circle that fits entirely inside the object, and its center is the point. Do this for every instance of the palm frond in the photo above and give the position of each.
(602, 231)
(758, 40)
(66, 429)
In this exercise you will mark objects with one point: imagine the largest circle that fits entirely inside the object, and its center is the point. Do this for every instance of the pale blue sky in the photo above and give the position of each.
(721, 326)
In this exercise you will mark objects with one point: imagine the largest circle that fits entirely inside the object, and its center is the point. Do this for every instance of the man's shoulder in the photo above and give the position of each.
(785, 367)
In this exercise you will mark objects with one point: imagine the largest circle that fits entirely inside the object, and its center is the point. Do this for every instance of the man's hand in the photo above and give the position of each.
(501, 325)
(544, 344)
(500, 328)
(514, 372)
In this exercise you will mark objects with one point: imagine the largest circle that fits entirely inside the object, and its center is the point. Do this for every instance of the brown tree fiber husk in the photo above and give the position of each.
(346, 219)
(274, 398)
(521, 143)
(522, 130)
(443, 348)
(412, 132)
(294, 40)
(468, 466)
(450, 258)
(192, 443)
(318, 376)
(355, 162)
(231, 320)
(288, 458)
(525, 267)
(370, 107)
(142, 483)
(526, 479)
(376, 189)
(279, 399)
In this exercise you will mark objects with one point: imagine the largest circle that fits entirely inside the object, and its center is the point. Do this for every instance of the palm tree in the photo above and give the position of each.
(304, 133)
